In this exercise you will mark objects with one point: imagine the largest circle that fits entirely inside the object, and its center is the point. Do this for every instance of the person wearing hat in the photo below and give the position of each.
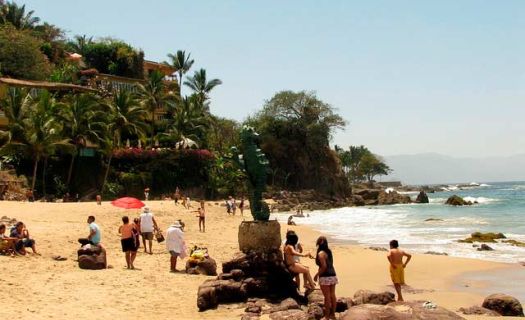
(147, 226)
(175, 244)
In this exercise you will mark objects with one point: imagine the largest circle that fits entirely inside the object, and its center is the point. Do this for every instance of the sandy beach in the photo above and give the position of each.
(40, 288)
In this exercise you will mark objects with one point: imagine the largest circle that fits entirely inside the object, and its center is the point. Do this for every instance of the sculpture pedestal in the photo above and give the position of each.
(259, 236)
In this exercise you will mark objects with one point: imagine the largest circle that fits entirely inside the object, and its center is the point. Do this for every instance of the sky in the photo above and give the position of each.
(441, 76)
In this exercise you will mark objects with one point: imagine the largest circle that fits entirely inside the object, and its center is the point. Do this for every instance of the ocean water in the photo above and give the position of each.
(500, 208)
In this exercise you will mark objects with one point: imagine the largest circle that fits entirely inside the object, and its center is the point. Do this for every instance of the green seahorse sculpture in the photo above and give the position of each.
(255, 165)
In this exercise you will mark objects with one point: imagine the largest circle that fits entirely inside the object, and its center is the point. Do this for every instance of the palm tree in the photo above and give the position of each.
(125, 116)
(181, 64)
(16, 102)
(200, 86)
(41, 134)
(189, 120)
(80, 43)
(83, 122)
(153, 97)
(16, 15)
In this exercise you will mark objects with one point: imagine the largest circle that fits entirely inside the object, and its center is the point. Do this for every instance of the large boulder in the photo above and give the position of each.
(290, 315)
(457, 201)
(422, 197)
(370, 297)
(207, 267)
(91, 257)
(373, 312)
(503, 304)
(213, 292)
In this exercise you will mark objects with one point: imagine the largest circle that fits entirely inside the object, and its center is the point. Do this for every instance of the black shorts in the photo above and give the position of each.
(128, 244)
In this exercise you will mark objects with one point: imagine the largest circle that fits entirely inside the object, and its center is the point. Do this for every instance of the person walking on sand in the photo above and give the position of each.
(241, 206)
(202, 217)
(147, 226)
(327, 276)
(146, 194)
(397, 266)
(175, 244)
(177, 195)
(234, 206)
(289, 260)
(128, 241)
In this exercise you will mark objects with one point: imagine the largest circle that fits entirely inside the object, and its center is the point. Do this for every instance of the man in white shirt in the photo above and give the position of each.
(147, 226)
(175, 244)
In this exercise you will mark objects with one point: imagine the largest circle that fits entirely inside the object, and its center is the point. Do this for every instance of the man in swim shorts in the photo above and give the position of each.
(397, 266)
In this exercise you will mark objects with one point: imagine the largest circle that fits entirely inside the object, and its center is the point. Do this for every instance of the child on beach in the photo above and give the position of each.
(397, 266)
(202, 217)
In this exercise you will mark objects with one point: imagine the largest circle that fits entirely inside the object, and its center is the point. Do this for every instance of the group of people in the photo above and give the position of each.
(326, 275)
(146, 227)
(17, 241)
(231, 206)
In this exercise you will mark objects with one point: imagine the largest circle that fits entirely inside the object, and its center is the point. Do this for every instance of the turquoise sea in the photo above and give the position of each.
(500, 208)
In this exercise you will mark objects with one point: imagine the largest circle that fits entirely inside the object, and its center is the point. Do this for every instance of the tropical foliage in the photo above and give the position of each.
(360, 164)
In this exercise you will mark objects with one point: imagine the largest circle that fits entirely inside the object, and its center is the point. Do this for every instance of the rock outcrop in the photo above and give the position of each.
(457, 201)
(485, 247)
(381, 197)
(91, 258)
(489, 237)
(207, 267)
(370, 297)
(503, 304)
(476, 310)
(422, 197)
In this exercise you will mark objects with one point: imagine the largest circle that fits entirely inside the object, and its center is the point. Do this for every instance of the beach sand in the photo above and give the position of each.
(40, 288)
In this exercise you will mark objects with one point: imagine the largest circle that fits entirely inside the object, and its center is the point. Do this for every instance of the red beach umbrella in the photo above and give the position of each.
(128, 203)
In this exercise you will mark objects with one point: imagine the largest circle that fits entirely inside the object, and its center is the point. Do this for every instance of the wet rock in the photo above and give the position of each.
(503, 304)
(457, 201)
(433, 220)
(422, 197)
(437, 253)
(476, 310)
(514, 243)
(370, 297)
(378, 248)
(489, 237)
(485, 247)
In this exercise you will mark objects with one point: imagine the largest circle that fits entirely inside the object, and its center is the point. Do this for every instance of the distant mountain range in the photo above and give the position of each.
(434, 168)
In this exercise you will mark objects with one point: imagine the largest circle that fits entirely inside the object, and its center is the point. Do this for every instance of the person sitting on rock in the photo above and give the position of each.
(7, 244)
(24, 241)
(294, 267)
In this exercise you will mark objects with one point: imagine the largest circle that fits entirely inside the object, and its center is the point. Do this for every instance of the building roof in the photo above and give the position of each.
(44, 85)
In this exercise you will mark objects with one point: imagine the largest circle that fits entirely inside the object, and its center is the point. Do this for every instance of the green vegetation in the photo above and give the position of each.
(120, 138)
(360, 164)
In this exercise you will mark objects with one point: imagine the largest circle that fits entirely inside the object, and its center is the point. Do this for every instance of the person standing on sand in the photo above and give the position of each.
(241, 206)
(127, 239)
(99, 199)
(177, 195)
(146, 194)
(147, 226)
(234, 206)
(327, 276)
(202, 217)
(397, 266)
(175, 244)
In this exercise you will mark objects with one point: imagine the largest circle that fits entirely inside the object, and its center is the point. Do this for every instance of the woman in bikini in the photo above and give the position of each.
(327, 277)
(293, 266)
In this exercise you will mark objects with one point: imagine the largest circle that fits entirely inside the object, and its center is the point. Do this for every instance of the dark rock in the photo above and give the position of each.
(457, 201)
(94, 262)
(476, 310)
(378, 249)
(315, 311)
(489, 237)
(237, 274)
(286, 304)
(343, 304)
(485, 247)
(503, 304)
(289, 315)
(206, 298)
(256, 287)
(250, 316)
(358, 200)
(207, 267)
(433, 219)
(253, 309)
(392, 197)
(369, 297)
(437, 253)
(515, 243)
(213, 292)
(422, 197)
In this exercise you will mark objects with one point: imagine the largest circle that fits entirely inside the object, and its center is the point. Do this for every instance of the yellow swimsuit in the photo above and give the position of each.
(397, 274)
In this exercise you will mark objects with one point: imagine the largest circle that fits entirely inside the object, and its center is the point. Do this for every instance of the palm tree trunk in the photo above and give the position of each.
(107, 172)
(35, 168)
(44, 176)
(70, 171)
(152, 127)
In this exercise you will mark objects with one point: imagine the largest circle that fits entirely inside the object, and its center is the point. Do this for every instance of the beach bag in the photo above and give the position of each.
(159, 236)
